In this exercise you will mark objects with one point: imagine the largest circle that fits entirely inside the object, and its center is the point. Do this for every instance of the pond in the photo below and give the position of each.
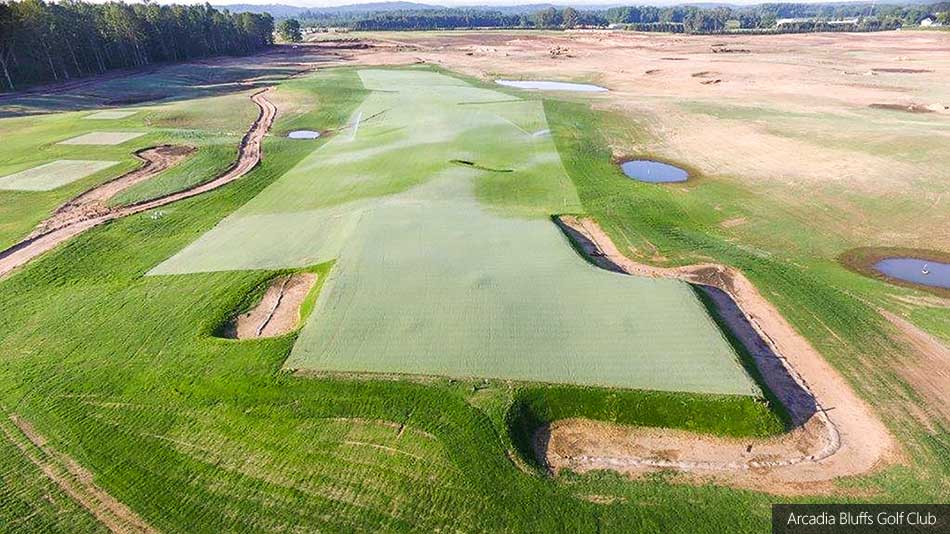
(542, 85)
(303, 134)
(653, 171)
(916, 270)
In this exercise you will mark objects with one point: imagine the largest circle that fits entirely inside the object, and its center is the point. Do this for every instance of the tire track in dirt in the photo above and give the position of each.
(839, 436)
(249, 155)
(72, 478)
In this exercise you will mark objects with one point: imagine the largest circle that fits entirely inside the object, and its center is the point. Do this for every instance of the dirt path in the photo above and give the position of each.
(249, 155)
(92, 203)
(278, 312)
(72, 478)
(836, 434)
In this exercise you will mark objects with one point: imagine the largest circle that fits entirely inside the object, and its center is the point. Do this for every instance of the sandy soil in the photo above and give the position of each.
(791, 119)
(73, 479)
(278, 312)
(249, 155)
(841, 438)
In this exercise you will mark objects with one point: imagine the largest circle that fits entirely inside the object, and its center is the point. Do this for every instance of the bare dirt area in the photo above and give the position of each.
(835, 433)
(249, 155)
(74, 480)
(790, 116)
(278, 311)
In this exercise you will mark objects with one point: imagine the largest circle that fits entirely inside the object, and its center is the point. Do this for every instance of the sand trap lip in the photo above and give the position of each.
(304, 134)
(543, 85)
(278, 311)
(249, 155)
(849, 440)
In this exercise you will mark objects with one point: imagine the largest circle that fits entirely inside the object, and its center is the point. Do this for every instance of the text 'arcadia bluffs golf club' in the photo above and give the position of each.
(506, 268)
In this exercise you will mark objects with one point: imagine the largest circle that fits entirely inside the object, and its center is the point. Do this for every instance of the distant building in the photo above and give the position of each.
(783, 22)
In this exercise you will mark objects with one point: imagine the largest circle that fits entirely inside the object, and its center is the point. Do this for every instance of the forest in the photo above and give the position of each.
(681, 18)
(43, 42)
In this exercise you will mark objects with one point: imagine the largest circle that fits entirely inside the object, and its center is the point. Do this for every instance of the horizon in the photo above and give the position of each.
(499, 3)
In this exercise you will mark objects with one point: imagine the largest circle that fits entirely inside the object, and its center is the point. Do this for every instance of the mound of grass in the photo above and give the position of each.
(723, 415)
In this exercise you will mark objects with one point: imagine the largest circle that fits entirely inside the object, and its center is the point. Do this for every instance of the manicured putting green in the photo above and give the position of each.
(454, 270)
(111, 114)
(102, 138)
(53, 174)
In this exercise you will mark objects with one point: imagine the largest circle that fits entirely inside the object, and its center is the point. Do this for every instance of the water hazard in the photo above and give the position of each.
(541, 85)
(653, 171)
(303, 134)
(924, 272)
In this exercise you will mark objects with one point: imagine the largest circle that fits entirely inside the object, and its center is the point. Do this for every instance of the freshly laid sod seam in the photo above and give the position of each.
(102, 138)
(54, 174)
(110, 114)
(447, 269)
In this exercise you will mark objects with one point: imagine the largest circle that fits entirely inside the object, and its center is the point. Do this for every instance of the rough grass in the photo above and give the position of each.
(832, 307)
(195, 434)
(213, 125)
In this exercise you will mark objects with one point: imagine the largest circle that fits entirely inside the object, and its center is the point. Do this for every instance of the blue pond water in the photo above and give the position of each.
(303, 134)
(912, 270)
(653, 171)
(552, 86)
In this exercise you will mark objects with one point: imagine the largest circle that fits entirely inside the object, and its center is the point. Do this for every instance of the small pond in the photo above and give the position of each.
(552, 86)
(303, 134)
(653, 171)
(923, 272)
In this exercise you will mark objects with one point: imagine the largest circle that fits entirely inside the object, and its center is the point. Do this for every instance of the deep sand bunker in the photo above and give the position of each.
(848, 440)
(278, 311)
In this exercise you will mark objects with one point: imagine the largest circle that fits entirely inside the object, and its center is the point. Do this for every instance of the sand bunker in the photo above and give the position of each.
(54, 174)
(102, 138)
(824, 444)
(278, 311)
(110, 114)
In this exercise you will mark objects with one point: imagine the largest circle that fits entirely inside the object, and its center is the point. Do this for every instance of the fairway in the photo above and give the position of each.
(448, 263)
(51, 175)
(111, 114)
(102, 138)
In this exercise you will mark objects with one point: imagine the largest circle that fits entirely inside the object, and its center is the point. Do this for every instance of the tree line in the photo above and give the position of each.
(48, 42)
(686, 19)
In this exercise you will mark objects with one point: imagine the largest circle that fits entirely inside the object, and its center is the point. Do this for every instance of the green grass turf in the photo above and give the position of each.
(213, 125)
(53, 174)
(197, 434)
(457, 271)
